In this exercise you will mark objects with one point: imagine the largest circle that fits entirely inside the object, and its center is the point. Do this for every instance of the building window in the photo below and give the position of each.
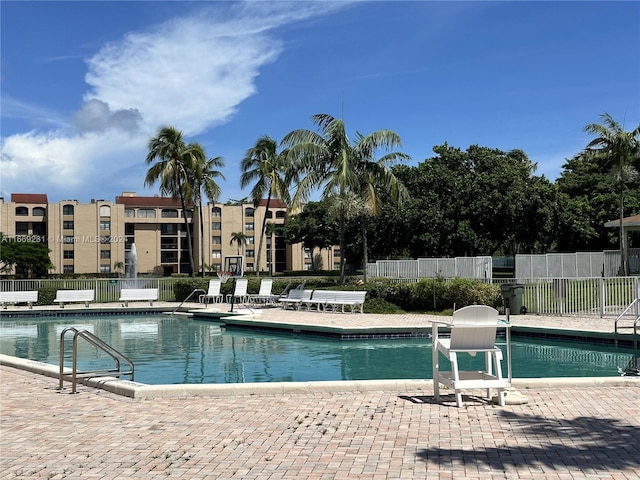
(281, 214)
(269, 214)
(216, 254)
(105, 268)
(216, 212)
(67, 268)
(189, 213)
(67, 209)
(105, 211)
(249, 212)
(105, 254)
(216, 240)
(307, 253)
(105, 225)
(146, 213)
(67, 225)
(104, 239)
(129, 228)
(67, 254)
(250, 253)
(169, 243)
(216, 225)
(22, 228)
(39, 211)
(22, 211)
(169, 257)
(168, 229)
(169, 213)
(129, 212)
(68, 239)
(250, 240)
(248, 226)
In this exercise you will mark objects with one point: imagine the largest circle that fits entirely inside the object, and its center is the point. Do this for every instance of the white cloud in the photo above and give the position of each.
(190, 72)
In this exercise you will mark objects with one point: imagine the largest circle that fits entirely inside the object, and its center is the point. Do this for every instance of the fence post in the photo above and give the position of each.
(601, 299)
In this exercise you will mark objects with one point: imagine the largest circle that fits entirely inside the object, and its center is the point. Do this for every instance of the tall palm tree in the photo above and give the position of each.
(618, 150)
(239, 238)
(174, 162)
(202, 179)
(329, 160)
(269, 169)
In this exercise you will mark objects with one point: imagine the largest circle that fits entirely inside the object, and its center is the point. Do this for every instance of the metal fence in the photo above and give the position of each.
(106, 289)
(462, 267)
(575, 265)
(580, 296)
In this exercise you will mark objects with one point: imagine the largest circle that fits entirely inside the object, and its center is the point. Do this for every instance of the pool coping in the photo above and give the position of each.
(143, 391)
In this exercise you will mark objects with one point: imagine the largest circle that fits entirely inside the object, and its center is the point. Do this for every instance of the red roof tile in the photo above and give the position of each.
(148, 202)
(29, 198)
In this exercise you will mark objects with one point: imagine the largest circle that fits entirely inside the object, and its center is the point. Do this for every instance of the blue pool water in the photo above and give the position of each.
(174, 350)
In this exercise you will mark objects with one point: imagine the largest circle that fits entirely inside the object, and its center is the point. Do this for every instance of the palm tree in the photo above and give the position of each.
(239, 238)
(618, 150)
(174, 162)
(202, 179)
(330, 160)
(269, 169)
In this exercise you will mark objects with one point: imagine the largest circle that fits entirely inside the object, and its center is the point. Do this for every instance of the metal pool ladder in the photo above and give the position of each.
(89, 337)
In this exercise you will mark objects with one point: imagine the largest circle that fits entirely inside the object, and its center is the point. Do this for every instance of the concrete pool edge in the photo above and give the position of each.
(142, 391)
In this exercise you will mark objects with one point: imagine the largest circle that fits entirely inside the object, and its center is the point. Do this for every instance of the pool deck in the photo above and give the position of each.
(568, 429)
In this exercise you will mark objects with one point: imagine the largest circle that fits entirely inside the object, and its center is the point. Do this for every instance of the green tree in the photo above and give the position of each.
(26, 258)
(239, 238)
(330, 161)
(269, 169)
(314, 227)
(618, 150)
(175, 161)
(202, 179)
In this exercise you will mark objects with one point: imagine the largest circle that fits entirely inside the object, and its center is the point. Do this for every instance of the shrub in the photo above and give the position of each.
(46, 295)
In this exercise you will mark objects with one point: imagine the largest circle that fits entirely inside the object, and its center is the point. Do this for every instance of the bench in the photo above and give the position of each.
(70, 296)
(334, 299)
(138, 294)
(29, 297)
(296, 298)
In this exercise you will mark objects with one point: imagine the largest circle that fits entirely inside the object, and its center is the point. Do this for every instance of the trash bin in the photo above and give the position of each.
(512, 296)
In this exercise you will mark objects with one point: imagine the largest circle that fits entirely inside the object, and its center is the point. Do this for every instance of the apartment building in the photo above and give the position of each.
(96, 237)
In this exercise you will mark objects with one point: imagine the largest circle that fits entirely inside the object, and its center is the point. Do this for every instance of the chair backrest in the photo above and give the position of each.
(241, 287)
(265, 286)
(474, 328)
(214, 288)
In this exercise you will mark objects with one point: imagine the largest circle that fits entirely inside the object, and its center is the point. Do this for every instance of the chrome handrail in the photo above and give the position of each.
(92, 339)
(188, 297)
(615, 327)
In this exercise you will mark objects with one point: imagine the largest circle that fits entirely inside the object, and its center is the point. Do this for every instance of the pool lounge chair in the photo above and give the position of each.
(213, 294)
(264, 295)
(473, 330)
(240, 292)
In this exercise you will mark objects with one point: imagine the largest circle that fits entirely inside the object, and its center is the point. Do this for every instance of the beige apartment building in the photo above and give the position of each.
(96, 237)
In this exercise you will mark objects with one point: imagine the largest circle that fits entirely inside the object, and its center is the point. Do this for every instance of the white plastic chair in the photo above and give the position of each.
(264, 295)
(240, 292)
(473, 330)
(213, 294)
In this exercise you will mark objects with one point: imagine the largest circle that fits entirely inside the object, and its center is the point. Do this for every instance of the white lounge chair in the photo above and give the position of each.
(240, 292)
(296, 298)
(264, 295)
(213, 295)
(473, 330)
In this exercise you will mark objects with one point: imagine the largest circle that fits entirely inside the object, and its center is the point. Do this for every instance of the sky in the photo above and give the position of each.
(85, 85)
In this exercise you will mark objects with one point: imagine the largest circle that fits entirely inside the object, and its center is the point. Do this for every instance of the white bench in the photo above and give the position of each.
(138, 294)
(334, 299)
(296, 298)
(70, 296)
(29, 297)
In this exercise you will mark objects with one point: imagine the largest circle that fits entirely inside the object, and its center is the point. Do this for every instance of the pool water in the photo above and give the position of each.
(175, 350)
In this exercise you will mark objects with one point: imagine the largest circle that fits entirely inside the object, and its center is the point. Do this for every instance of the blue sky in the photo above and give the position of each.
(84, 85)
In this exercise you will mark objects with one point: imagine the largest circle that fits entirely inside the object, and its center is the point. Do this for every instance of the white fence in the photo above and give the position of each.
(575, 265)
(106, 289)
(463, 267)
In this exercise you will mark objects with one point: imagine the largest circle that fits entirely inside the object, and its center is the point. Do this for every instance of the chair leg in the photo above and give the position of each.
(456, 378)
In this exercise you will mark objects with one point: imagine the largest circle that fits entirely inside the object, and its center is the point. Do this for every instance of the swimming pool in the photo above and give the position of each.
(180, 350)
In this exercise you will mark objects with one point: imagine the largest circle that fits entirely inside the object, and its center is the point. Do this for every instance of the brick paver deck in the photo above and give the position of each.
(564, 432)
